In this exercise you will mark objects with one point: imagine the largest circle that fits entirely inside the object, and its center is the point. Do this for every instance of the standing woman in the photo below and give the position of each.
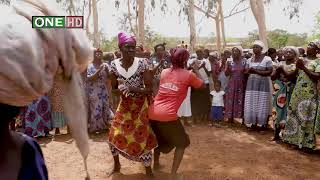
(159, 62)
(257, 102)
(200, 98)
(173, 89)
(100, 113)
(235, 90)
(56, 99)
(303, 121)
(285, 78)
(130, 134)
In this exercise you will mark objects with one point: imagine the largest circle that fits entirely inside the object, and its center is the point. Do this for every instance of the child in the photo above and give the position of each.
(216, 114)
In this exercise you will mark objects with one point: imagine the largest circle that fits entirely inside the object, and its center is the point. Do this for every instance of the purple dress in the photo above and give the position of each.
(100, 113)
(235, 91)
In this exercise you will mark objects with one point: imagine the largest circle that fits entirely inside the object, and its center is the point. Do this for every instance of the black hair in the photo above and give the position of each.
(7, 113)
(218, 82)
(160, 45)
(271, 51)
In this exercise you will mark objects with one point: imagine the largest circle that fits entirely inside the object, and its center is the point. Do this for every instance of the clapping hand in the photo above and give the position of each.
(300, 64)
(252, 71)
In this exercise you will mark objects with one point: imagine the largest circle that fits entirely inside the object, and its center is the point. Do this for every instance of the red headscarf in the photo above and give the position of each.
(178, 57)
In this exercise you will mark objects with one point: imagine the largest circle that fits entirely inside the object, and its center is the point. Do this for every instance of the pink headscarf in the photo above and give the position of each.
(124, 38)
(178, 57)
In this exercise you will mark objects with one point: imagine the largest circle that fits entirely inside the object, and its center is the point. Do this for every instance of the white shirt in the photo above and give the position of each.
(217, 98)
(202, 72)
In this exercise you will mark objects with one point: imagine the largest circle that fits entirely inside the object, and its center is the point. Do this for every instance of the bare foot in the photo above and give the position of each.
(57, 132)
(177, 177)
(157, 167)
(115, 169)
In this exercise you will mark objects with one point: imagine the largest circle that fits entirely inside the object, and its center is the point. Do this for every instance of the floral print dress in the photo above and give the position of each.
(100, 113)
(130, 133)
(303, 120)
(36, 117)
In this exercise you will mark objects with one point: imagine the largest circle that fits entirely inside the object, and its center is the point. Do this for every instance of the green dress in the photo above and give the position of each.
(303, 118)
(283, 90)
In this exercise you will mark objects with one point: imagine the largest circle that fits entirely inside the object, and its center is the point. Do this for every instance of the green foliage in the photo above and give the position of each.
(252, 36)
(277, 39)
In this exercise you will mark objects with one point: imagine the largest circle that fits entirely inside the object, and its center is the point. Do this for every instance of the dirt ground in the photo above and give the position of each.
(229, 152)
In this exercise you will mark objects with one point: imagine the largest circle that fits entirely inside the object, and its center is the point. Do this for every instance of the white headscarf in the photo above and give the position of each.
(214, 54)
(30, 58)
(295, 49)
(261, 44)
(239, 48)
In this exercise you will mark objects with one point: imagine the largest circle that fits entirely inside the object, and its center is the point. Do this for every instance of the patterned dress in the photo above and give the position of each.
(100, 113)
(303, 121)
(283, 91)
(235, 91)
(56, 99)
(36, 117)
(257, 102)
(130, 133)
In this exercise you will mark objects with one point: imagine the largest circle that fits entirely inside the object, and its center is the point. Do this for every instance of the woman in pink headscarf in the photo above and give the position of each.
(174, 83)
(130, 134)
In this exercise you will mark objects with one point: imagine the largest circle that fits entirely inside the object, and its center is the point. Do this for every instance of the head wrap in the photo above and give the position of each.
(30, 59)
(124, 38)
(316, 42)
(178, 57)
(295, 49)
(261, 44)
(239, 48)
(214, 54)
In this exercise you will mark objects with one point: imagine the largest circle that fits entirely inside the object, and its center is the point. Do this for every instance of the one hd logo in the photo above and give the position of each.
(57, 22)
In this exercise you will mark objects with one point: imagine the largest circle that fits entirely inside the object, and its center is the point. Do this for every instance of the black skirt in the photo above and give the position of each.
(170, 135)
(200, 101)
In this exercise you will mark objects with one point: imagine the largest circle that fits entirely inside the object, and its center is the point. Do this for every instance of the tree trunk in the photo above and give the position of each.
(72, 8)
(192, 26)
(224, 42)
(96, 35)
(218, 27)
(129, 18)
(88, 19)
(141, 21)
(257, 8)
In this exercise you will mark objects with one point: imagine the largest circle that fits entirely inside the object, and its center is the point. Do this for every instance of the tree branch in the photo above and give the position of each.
(205, 12)
(237, 12)
(234, 7)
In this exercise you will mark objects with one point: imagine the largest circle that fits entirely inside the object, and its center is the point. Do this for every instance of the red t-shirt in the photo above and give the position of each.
(173, 89)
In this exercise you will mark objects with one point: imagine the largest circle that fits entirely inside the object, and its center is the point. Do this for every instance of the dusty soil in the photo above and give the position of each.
(229, 152)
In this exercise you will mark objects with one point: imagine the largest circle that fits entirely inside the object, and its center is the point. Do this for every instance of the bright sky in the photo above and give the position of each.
(236, 26)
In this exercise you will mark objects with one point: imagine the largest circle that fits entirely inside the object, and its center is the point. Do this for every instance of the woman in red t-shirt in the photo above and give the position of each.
(174, 83)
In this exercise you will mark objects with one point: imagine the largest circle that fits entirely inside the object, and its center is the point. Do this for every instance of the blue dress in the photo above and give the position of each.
(37, 117)
(100, 113)
(33, 165)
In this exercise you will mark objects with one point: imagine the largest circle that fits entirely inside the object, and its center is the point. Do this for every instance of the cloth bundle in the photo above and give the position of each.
(30, 59)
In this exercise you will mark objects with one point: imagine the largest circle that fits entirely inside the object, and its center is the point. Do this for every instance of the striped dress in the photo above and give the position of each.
(257, 102)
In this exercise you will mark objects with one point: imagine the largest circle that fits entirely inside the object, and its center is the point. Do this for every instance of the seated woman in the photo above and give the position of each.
(174, 83)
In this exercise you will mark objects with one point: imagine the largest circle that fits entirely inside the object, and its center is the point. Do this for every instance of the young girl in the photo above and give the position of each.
(216, 114)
